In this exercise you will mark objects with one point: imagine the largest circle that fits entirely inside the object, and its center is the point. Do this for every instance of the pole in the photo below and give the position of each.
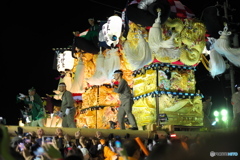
(231, 68)
(97, 104)
(157, 98)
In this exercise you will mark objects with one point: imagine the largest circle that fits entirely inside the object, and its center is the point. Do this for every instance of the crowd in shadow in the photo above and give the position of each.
(36, 145)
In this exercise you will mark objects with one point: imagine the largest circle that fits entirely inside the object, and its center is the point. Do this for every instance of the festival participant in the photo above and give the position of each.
(37, 109)
(92, 34)
(89, 42)
(126, 99)
(67, 107)
(236, 107)
(207, 104)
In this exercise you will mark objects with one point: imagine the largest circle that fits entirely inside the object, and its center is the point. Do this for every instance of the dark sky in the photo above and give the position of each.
(30, 30)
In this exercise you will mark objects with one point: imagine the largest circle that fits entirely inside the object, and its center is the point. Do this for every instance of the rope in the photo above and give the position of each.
(203, 56)
(204, 61)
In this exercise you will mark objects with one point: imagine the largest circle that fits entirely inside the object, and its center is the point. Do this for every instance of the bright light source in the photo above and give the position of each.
(216, 113)
(173, 135)
(214, 123)
(216, 119)
(224, 119)
(224, 112)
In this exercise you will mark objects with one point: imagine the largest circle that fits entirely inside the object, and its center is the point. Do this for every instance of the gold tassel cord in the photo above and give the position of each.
(203, 56)
(205, 62)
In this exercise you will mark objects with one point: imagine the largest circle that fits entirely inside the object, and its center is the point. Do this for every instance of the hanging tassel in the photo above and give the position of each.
(78, 84)
(99, 76)
(222, 46)
(216, 63)
(111, 63)
(164, 51)
(140, 56)
(155, 34)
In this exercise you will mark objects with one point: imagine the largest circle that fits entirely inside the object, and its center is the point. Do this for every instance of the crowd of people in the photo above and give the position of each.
(37, 145)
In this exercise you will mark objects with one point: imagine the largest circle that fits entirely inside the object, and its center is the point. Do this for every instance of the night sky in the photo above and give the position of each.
(29, 31)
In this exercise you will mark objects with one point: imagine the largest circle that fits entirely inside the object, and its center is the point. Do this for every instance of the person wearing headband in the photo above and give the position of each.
(236, 107)
(67, 107)
(37, 111)
(126, 99)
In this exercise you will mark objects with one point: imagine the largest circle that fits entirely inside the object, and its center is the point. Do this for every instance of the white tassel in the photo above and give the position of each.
(99, 76)
(172, 53)
(140, 56)
(160, 47)
(155, 35)
(222, 46)
(111, 63)
(105, 67)
(78, 81)
(216, 63)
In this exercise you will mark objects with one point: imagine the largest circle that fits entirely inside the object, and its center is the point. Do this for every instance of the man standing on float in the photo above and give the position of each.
(126, 99)
(67, 107)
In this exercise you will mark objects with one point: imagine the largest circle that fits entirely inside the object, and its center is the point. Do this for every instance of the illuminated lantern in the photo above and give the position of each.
(68, 60)
(112, 30)
(60, 66)
(65, 61)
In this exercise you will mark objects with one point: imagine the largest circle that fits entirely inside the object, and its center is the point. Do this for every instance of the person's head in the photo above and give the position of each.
(91, 21)
(31, 91)
(62, 87)
(98, 134)
(237, 87)
(74, 153)
(132, 148)
(59, 132)
(168, 151)
(208, 98)
(118, 74)
(40, 132)
(185, 138)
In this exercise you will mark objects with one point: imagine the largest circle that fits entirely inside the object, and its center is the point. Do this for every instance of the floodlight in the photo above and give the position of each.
(216, 113)
(224, 112)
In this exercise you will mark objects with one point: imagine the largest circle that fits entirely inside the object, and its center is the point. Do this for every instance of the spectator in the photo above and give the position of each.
(167, 151)
(132, 150)
(83, 148)
(196, 145)
(60, 140)
(93, 150)
(207, 104)
(236, 107)
(108, 154)
(5, 149)
(184, 142)
(74, 153)
(40, 134)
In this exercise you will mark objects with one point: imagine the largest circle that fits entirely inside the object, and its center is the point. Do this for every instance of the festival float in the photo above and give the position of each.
(158, 55)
